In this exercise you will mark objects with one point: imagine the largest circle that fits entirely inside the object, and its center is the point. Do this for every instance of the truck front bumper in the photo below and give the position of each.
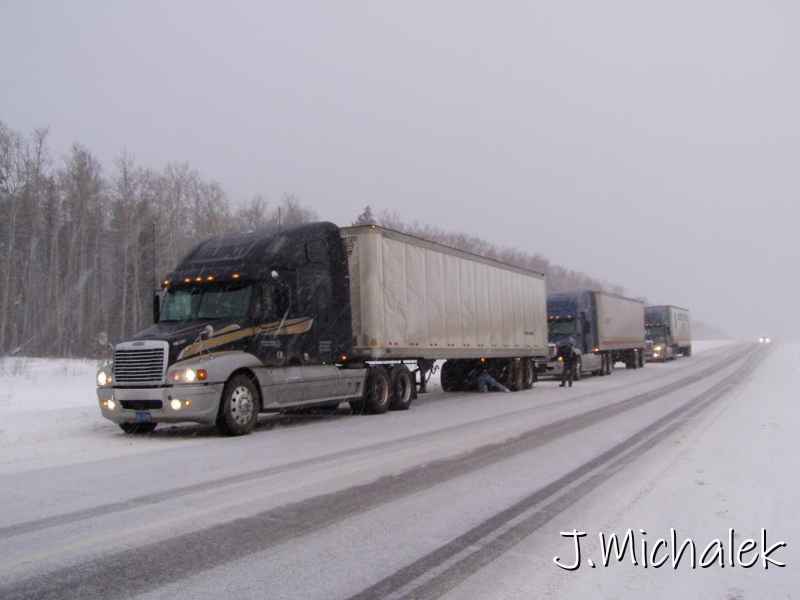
(199, 403)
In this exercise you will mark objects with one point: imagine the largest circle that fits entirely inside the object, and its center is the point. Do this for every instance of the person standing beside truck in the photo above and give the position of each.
(567, 356)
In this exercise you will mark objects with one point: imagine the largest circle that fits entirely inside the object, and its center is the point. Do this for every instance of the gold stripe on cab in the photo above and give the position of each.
(289, 327)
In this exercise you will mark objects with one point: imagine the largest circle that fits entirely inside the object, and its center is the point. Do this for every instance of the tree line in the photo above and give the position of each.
(81, 246)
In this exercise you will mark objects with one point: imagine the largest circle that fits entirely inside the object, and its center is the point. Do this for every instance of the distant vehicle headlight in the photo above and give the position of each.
(767, 340)
(762, 340)
(658, 348)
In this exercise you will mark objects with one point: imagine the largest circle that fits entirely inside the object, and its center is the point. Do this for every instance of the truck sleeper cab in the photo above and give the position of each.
(264, 322)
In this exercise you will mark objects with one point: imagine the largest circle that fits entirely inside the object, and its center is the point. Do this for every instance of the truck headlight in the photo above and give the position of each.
(104, 377)
(658, 348)
(188, 375)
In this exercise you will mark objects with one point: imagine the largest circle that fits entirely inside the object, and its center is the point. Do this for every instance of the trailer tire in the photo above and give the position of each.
(138, 428)
(609, 366)
(529, 374)
(239, 406)
(516, 375)
(448, 378)
(640, 354)
(403, 388)
(377, 392)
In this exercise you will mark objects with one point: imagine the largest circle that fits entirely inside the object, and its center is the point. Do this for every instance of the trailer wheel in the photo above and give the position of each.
(609, 366)
(687, 351)
(640, 355)
(377, 393)
(138, 428)
(238, 410)
(403, 388)
(448, 378)
(516, 375)
(529, 374)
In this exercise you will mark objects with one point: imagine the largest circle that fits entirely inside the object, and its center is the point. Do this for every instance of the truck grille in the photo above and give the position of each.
(139, 366)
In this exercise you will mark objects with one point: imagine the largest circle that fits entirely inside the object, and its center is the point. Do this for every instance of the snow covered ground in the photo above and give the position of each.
(49, 415)
(464, 496)
(735, 467)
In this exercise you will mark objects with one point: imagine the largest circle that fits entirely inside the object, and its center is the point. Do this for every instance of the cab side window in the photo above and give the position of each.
(275, 301)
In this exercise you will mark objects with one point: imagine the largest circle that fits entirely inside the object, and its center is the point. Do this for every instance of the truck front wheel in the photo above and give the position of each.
(238, 411)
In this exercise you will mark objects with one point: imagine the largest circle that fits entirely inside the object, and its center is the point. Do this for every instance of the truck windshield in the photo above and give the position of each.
(657, 333)
(562, 328)
(207, 301)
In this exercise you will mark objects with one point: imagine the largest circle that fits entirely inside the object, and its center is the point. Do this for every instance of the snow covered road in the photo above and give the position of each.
(463, 496)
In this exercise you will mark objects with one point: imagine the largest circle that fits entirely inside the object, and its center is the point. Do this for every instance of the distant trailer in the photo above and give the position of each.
(669, 329)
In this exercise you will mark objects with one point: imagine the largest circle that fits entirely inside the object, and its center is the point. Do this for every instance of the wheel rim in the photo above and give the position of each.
(242, 405)
(379, 392)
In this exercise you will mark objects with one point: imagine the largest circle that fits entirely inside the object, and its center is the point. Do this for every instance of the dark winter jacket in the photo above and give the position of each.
(567, 352)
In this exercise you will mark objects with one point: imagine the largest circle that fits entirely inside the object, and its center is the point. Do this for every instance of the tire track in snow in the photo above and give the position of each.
(441, 570)
(145, 500)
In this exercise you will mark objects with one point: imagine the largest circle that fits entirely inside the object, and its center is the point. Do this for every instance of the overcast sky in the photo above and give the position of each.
(653, 144)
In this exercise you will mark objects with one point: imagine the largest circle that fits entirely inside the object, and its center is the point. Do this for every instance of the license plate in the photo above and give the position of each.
(143, 416)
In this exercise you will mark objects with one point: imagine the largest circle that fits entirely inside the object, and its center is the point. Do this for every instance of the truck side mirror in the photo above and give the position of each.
(156, 307)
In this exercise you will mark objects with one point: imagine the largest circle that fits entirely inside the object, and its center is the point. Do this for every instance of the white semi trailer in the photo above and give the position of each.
(313, 315)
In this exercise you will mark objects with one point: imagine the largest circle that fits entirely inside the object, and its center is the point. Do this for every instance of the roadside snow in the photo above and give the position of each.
(49, 415)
